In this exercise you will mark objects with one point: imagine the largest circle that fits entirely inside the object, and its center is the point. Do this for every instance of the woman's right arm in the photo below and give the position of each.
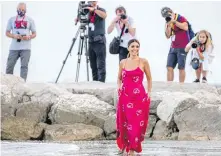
(189, 45)
(119, 79)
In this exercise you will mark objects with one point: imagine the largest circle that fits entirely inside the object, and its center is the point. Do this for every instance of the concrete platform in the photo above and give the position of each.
(108, 148)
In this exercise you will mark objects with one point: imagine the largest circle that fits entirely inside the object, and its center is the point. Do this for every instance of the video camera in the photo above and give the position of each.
(83, 12)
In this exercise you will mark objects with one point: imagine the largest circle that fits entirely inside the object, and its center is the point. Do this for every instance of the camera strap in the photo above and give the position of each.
(21, 20)
(92, 17)
(122, 29)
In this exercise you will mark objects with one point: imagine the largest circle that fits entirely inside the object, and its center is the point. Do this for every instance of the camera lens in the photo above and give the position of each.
(123, 16)
(194, 45)
(168, 19)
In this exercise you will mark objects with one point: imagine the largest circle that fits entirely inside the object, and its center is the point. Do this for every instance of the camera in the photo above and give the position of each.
(196, 44)
(83, 12)
(123, 16)
(19, 40)
(168, 19)
(165, 12)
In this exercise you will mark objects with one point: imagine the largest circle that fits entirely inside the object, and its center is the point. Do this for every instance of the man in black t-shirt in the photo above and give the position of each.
(97, 42)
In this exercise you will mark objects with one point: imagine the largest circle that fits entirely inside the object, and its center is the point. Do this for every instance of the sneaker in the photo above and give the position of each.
(197, 81)
(204, 80)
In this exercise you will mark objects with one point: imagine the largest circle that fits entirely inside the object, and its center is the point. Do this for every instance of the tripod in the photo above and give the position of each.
(82, 43)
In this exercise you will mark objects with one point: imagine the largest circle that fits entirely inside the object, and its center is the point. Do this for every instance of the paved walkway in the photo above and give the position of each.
(108, 148)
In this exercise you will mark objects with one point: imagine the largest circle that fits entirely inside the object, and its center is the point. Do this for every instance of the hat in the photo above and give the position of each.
(165, 10)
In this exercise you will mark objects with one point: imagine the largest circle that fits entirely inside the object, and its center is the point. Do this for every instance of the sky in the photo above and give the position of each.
(56, 29)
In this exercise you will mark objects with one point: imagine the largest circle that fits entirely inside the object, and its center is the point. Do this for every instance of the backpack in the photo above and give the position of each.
(190, 31)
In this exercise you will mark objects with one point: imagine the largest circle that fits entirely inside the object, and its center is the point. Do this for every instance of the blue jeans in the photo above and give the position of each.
(12, 59)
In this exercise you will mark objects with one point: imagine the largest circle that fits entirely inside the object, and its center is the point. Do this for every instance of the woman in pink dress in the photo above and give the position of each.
(134, 101)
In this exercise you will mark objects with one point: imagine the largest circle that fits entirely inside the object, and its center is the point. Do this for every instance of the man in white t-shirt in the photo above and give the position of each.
(128, 32)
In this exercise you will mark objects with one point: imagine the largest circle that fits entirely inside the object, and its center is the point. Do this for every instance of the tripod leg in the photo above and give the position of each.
(80, 49)
(69, 52)
(87, 58)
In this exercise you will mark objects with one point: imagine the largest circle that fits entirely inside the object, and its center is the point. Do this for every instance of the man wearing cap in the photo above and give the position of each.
(129, 30)
(177, 30)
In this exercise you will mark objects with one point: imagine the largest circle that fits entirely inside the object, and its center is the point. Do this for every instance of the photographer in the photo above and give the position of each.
(202, 55)
(128, 33)
(177, 30)
(19, 28)
(97, 42)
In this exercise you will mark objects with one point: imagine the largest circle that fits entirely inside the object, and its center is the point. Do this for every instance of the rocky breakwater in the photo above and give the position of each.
(86, 111)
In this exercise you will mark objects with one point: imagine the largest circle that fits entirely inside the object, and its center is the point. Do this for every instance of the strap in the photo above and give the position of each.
(122, 30)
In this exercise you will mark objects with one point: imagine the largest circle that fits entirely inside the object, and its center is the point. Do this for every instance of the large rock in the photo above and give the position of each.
(206, 97)
(200, 122)
(80, 108)
(170, 103)
(103, 91)
(151, 125)
(110, 125)
(73, 132)
(14, 128)
(34, 111)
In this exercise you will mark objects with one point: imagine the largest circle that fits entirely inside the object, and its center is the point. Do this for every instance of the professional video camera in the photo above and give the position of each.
(83, 12)
(83, 18)
(165, 12)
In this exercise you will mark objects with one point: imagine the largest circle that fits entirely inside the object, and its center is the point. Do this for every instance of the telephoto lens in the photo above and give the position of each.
(123, 16)
(194, 45)
(168, 19)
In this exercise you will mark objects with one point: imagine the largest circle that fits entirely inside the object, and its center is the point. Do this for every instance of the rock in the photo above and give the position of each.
(34, 111)
(151, 125)
(206, 97)
(11, 80)
(110, 125)
(166, 109)
(200, 122)
(156, 99)
(112, 136)
(9, 101)
(161, 132)
(102, 91)
(184, 87)
(14, 128)
(73, 132)
(80, 108)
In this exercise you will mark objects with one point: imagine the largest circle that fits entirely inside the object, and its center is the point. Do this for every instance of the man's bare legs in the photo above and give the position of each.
(170, 74)
(182, 75)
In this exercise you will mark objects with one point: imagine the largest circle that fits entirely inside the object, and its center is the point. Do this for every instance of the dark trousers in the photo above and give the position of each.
(123, 52)
(97, 56)
(12, 59)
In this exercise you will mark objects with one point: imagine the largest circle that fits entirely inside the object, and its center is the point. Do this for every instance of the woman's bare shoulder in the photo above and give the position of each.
(122, 62)
(144, 60)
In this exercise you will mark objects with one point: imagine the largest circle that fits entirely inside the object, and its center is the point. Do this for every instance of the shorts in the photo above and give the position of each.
(176, 56)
